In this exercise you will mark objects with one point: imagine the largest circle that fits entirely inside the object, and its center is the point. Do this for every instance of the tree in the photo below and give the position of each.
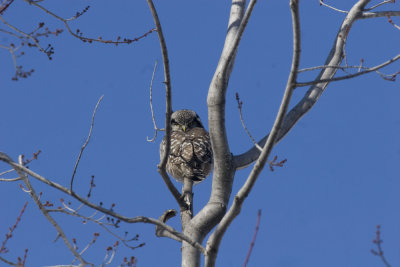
(217, 215)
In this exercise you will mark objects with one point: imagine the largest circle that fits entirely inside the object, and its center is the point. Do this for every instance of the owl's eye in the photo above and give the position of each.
(173, 122)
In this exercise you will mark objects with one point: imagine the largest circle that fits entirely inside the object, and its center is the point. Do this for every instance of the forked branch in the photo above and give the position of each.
(216, 237)
(323, 79)
(23, 171)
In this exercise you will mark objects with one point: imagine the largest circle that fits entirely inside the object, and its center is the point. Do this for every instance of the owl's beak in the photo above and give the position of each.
(184, 128)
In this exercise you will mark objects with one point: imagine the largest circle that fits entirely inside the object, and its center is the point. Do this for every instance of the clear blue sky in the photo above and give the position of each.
(342, 174)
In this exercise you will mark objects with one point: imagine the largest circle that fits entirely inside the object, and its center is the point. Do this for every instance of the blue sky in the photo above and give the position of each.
(342, 174)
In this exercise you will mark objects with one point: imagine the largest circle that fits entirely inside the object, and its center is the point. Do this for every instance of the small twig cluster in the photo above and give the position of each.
(24, 161)
(31, 39)
(34, 157)
(378, 242)
(9, 235)
(274, 163)
(78, 33)
(27, 39)
(21, 262)
(117, 41)
(321, 3)
(131, 262)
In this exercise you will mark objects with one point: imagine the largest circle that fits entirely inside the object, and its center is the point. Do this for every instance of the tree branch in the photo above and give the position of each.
(380, 4)
(353, 75)
(86, 142)
(39, 204)
(78, 34)
(370, 15)
(216, 237)
(253, 241)
(161, 167)
(223, 174)
(151, 106)
(334, 58)
(139, 219)
(26, 35)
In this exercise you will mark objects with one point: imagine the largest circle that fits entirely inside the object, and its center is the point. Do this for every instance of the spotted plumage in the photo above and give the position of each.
(190, 153)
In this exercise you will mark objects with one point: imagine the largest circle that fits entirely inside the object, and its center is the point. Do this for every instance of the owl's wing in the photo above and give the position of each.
(201, 145)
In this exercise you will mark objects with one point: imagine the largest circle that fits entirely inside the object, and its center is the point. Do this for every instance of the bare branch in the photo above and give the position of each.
(168, 112)
(72, 212)
(151, 106)
(378, 242)
(28, 36)
(391, 22)
(4, 5)
(216, 237)
(3, 248)
(380, 4)
(139, 219)
(161, 232)
(210, 215)
(36, 199)
(78, 33)
(240, 104)
(10, 179)
(371, 15)
(368, 70)
(253, 241)
(321, 3)
(8, 262)
(334, 58)
(86, 142)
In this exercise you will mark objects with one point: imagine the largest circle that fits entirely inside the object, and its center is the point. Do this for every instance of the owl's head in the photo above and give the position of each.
(184, 120)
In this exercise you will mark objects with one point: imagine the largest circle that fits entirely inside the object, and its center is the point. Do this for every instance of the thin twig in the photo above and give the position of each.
(24, 34)
(391, 22)
(5, 172)
(10, 179)
(380, 4)
(378, 242)
(359, 68)
(5, 6)
(99, 222)
(151, 106)
(240, 104)
(253, 241)
(86, 142)
(95, 236)
(11, 229)
(321, 2)
(8, 262)
(368, 70)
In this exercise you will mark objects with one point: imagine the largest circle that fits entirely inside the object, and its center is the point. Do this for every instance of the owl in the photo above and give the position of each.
(190, 154)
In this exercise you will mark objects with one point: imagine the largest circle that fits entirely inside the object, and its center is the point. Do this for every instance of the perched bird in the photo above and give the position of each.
(190, 154)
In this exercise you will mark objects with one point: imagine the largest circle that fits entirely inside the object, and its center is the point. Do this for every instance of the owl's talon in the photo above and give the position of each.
(186, 201)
